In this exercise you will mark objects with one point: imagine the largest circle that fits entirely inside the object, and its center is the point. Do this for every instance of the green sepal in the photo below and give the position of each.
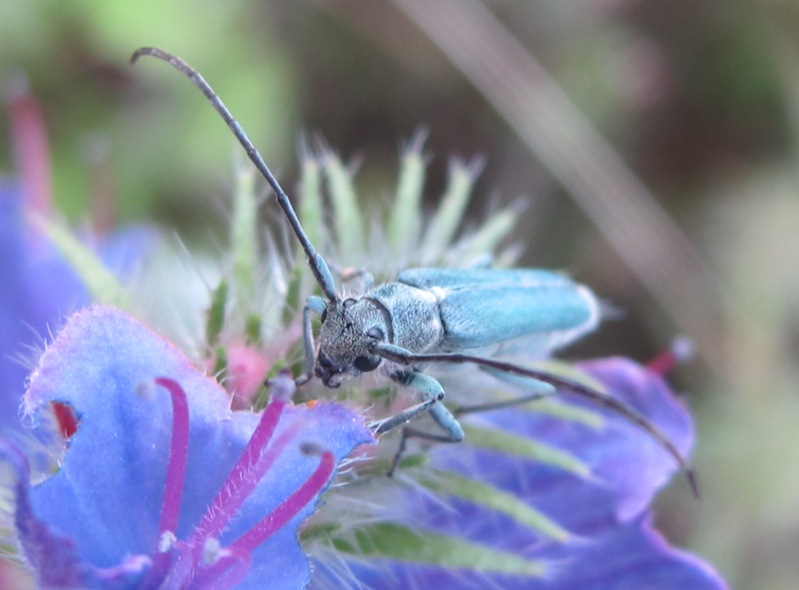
(505, 442)
(403, 222)
(491, 233)
(99, 281)
(244, 239)
(346, 209)
(451, 484)
(321, 532)
(449, 215)
(216, 314)
(220, 363)
(392, 541)
(252, 329)
(568, 412)
(292, 303)
(310, 210)
(413, 461)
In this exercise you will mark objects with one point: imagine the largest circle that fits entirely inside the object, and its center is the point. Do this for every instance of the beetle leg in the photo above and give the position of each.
(430, 393)
(429, 390)
(313, 305)
(406, 416)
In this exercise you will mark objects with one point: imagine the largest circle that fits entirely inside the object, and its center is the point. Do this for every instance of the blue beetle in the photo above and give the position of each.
(441, 311)
(431, 315)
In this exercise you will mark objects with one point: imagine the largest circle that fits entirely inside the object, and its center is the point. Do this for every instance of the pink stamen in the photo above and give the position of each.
(288, 508)
(184, 562)
(29, 137)
(178, 452)
(228, 571)
(250, 467)
(235, 491)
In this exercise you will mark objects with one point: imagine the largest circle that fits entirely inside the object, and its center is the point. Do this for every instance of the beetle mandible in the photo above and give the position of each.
(431, 315)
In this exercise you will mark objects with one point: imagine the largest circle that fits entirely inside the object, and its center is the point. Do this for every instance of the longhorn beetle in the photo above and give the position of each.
(429, 315)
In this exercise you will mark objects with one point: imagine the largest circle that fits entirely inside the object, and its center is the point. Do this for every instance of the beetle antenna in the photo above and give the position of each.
(318, 265)
(564, 384)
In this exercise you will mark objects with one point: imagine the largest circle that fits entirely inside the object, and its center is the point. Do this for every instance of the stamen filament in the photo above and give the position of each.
(237, 491)
(241, 480)
(178, 452)
(274, 521)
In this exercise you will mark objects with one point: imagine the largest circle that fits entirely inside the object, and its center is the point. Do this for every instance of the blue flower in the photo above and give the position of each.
(162, 486)
(578, 518)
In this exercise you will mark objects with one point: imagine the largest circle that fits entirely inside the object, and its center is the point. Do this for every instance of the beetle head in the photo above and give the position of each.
(349, 331)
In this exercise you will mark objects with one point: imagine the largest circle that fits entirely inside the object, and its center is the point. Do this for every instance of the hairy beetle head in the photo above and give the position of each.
(350, 328)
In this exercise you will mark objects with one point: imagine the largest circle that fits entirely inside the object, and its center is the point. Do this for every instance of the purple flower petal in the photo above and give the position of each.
(60, 566)
(632, 461)
(611, 544)
(632, 557)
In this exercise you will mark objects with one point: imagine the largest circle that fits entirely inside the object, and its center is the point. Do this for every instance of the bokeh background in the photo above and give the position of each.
(654, 144)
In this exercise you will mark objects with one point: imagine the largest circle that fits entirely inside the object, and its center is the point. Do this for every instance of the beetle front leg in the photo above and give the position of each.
(313, 305)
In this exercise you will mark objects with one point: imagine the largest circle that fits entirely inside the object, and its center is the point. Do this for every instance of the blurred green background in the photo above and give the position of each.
(685, 216)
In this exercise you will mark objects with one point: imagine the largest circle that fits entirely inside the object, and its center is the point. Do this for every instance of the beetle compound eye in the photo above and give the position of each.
(375, 333)
(348, 303)
(366, 363)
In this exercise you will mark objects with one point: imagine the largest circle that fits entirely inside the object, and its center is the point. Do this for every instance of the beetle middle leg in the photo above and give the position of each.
(428, 389)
